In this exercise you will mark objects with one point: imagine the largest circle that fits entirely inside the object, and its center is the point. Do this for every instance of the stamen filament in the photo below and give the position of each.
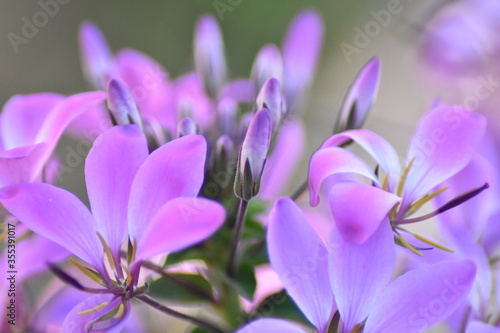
(385, 182)
(107, 250)
(419, 203)
(432, 243)
(409, 246)
(93, 310)
(403, 178)
(88, 272)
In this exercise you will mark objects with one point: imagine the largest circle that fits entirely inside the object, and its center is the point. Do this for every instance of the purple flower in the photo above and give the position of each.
(149, 199)
(443, 144)
(356, 280)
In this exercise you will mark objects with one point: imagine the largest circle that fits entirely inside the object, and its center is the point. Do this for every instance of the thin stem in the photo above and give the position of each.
(299, 191)
(238, 229)
(196, 321)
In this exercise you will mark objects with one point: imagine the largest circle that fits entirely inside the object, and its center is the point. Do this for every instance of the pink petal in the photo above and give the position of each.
(422, 298)
(283, 161)
(445, 141)
(180, 223)
(301, 260)
(22, 117)
(359, 272)
(56, 214)
(476, 326)
(358, 209)
(270, 325)
(327, 162)
(95, 54)
(22, 165)
(76, 323)
(110, 168)
(301, 49)
(176, 169)
(381, 150)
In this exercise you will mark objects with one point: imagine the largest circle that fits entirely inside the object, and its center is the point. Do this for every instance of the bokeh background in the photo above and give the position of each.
(49, 61)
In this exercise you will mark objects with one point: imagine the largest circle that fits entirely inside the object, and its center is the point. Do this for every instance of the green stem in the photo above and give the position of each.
(238, 229)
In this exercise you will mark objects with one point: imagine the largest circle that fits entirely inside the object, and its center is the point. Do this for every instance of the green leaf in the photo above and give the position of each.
(182, 288)
(280, 305)
(246, 281)
(188, 254)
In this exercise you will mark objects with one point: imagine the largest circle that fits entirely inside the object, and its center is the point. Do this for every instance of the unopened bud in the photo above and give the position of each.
(186, 126)
(227, 110)
(253, 155)
(95, 55)
(209, 58)
(224, 153)
(268, 63)
(360, 98)
(122, 105)
(270, 98)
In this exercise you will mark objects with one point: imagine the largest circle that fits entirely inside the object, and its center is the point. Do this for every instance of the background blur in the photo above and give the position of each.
(49, 61)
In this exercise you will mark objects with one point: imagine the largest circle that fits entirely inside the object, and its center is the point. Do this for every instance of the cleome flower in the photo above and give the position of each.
(149, 200)
(443, 144)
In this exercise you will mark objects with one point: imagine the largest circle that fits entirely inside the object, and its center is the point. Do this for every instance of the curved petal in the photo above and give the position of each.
(444, 142)
(301, 260)
(358, 209)
(358, 273)
(375, 145)
(110, 168)
(22, 165)
(301, 49)
(57, 215)
(180, 223)
(22, 117)
(422, 298)
(36, 252)
(327, 162)
(174, 170)
(242, 91)
(77, 323)
(270, 325)
(282, 163)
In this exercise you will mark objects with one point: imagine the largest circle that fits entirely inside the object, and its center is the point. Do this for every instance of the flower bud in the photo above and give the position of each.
(96, 57)
(270, 98)
(253, 155)
(186, 126)
(122, 105)
(360, 97)
(268, 63)
(209, 58)
(227, 110)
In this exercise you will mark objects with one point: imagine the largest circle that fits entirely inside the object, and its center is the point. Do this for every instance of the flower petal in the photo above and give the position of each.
(270, 325)
(22, 165)
(22, 117)
(95, 55)
(327, 162)
(444, 142)
(110, 168)
(476, 326)
(301, 49)
(301, 260)
(375, 145)
(174, 170)
(180, 223)
(358, 209)
(283, 161)
(422, 298)
(359, 272)
(77, 323)
(57, 215)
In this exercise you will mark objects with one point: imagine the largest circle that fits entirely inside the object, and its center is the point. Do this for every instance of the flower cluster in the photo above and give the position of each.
(187, 182)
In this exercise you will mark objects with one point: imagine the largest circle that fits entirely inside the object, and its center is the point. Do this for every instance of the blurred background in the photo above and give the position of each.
(49, 59)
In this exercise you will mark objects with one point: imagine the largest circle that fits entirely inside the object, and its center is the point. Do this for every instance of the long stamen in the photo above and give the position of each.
(410, 247)
(93, 310)
(432, 243)
(109, 255)
(449, 205)
(88, 272)
(403, 178)
(419, 203)
(385, 182)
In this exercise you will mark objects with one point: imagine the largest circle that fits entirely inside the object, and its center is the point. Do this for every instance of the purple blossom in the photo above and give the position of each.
(151, 200)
